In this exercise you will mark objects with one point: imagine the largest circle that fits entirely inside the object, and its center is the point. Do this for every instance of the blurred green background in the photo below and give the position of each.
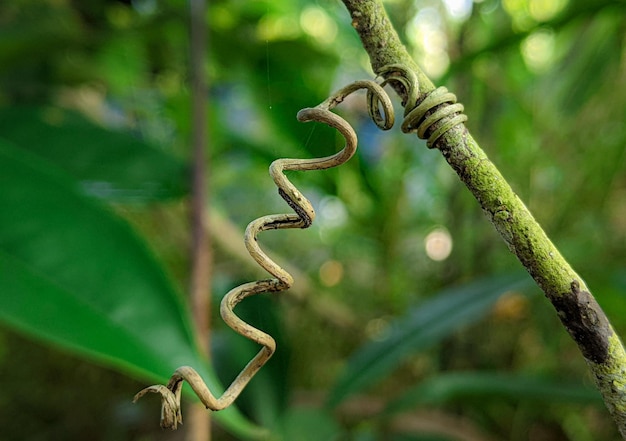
(409, 319)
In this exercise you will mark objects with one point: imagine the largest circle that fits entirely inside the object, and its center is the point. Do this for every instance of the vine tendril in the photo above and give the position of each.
(430, 116)
(381, 112)
(418, 119)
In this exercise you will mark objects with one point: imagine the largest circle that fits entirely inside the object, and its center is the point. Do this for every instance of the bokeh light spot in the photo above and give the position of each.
(458, 9)
(538, 50)
(438, 244)
(316, 23)
(511, 306)
(332, 212)
(378, 329)
(331, 273)
(544, 10)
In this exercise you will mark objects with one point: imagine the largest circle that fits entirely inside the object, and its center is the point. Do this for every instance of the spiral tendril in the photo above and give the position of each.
(381, 112)
(431, 116)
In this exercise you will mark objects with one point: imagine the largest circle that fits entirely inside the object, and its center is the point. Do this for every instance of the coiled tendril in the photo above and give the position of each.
(302, 217)
(427, 115)
(423, 115)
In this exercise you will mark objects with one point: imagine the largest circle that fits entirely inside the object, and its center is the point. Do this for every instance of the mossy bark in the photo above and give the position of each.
(576, 307)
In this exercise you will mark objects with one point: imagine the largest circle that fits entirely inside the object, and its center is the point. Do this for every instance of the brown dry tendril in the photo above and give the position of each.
(304, 214)
(381, 112)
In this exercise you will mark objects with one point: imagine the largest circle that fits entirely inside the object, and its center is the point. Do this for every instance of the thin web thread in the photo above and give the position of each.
(267, 64)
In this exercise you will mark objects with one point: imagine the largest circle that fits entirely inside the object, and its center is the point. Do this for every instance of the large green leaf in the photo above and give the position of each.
(113, 165)
(420, 329)
(76, 275)
(308, 424)
(488, 385)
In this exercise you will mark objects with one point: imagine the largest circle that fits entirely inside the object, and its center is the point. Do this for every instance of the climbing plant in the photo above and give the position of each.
(407, 317)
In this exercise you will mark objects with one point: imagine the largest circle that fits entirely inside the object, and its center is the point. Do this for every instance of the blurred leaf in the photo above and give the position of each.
(123, 63)
(47, 30)
(75, 275)
(111, 165)
(420, 329)
(291, 63)
(484, 385)
(422, 437)
(308, 425)
(587, 65)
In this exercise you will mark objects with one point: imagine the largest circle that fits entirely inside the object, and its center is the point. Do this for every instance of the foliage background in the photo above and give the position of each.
(95, 109)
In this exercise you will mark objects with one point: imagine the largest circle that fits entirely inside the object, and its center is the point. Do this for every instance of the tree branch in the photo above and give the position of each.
(576, 307)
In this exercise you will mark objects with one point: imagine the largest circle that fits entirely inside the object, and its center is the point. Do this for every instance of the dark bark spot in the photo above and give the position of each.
(306, 220)
(585, 321)
(276, 225)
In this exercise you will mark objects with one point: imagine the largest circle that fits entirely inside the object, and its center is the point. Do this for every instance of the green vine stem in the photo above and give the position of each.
(302, 217)
(576, 307)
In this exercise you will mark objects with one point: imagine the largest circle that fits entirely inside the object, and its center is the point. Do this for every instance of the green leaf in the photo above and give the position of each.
(451, 387)
(587, 66)
(75, 275)
(112, 165)
(47, 29)
(420, 329)
(421, 437)
(308, 424)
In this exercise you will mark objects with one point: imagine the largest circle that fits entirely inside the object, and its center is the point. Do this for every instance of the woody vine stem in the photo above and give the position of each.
(576, 307)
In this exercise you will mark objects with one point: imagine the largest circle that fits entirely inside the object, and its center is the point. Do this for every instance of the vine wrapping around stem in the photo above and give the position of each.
(430, 116)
